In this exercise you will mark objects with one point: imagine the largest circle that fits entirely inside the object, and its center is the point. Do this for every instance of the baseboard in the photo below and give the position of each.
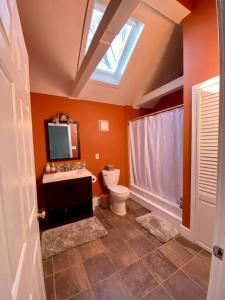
(147, 203)
(95, 202)
(186, 233)
(208, 249)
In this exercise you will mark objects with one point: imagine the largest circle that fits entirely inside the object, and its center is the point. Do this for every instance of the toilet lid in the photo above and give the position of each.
(119, 189)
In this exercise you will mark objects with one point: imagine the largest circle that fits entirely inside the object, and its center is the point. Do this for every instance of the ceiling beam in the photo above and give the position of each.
(171, 9)
(151, 99)
(115, 16)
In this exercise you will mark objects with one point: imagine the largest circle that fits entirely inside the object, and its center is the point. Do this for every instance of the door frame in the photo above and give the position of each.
(196, 96)
(216, 290)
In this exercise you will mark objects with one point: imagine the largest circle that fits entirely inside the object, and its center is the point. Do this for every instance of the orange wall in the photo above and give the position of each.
(187, 3)
(173, 99)
(201, 62)
(112, 146)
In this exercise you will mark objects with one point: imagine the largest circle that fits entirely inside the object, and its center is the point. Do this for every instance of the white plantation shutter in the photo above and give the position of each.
(207, 165)
(208, 145)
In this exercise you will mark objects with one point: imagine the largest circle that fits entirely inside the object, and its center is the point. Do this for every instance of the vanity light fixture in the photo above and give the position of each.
(62, 118)
(103, 125)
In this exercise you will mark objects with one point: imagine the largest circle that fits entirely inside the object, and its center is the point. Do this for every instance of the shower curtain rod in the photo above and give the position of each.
(157, 112)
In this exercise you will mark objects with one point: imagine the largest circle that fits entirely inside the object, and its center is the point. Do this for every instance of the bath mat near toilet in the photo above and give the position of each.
(157, 226)
(59, 239)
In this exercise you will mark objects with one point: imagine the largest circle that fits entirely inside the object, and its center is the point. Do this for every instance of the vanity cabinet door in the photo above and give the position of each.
(68, 192)
(68, 201)
(81, 190)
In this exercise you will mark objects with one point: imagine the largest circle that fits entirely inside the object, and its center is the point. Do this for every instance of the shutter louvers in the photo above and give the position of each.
(208, 145)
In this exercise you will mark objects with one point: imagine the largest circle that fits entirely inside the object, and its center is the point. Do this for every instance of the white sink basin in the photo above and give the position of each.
(66, 175)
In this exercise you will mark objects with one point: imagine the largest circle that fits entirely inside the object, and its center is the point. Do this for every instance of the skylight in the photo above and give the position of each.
(114, 62)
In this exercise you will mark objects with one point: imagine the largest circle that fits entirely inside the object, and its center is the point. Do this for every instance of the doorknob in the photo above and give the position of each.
(41, 215)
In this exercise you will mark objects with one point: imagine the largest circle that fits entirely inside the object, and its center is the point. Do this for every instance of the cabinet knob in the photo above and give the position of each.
(41, 215)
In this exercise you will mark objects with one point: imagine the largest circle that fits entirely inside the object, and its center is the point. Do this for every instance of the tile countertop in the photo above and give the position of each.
(67, 175)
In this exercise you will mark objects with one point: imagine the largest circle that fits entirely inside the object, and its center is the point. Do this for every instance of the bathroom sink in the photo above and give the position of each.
(66, 175)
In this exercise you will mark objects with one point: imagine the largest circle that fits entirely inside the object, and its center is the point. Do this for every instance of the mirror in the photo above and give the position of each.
(63, 140)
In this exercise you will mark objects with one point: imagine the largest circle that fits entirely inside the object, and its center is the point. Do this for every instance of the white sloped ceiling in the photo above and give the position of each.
(53, 33)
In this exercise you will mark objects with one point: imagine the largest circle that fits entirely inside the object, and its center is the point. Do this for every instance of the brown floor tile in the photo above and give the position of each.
(198, 270)
(131, 204)
(122, 255)
(131, 216)
(97, 209)
(49, 287)
(106, 223)
(157, 243)
(47, 266)
(98, 267)
(66, 259)
(86, 295)
(71, 281)
(91, 249)
(98, 215)
(107, 213)
(141, 245)
(125, 243)
(118, 221)
(137, 280)
(141, 211)
(111, 288)
(129, 231)
(176, 253)
(189, 246)
(151, 237)
(157, 294)
(206, 257)
(181, 287)
(159, 265)
(113, 238)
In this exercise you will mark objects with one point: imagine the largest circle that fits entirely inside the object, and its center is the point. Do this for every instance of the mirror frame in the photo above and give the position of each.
(47, 142)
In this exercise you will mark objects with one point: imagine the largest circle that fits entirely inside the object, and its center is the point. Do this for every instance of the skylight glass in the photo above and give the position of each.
(113, 64)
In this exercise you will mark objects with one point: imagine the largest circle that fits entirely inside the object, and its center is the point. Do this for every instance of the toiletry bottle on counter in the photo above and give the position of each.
(47, 168)
(53, 168)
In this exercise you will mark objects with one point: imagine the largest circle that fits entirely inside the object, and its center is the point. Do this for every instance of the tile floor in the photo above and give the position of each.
(127, 264)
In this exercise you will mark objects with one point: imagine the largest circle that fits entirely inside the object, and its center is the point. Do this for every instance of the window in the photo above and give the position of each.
(114, 62)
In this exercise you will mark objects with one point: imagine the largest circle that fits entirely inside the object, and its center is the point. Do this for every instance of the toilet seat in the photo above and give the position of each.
(119, 189)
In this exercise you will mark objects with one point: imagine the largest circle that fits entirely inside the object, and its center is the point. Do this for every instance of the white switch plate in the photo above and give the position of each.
(97, 156)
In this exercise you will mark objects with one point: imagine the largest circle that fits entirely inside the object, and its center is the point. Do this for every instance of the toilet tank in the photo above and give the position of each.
(111, 178)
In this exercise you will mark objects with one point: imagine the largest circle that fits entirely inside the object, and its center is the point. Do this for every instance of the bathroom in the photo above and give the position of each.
(110, 266)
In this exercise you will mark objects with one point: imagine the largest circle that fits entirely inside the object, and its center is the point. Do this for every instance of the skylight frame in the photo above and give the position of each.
(125, 49)
(116, 76)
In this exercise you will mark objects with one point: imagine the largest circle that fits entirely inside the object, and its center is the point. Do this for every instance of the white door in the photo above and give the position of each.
(205, 160)
(216, 289)
(21, 275)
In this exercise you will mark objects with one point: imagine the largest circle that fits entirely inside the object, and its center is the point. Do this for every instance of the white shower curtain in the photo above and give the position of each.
(156, 146)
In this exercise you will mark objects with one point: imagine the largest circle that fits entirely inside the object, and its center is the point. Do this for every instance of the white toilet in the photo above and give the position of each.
(118, 193)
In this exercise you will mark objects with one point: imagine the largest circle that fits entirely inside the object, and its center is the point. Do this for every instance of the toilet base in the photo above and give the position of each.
(118, 208)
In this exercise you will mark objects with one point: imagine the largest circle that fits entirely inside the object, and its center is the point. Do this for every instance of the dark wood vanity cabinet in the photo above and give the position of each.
(68, 201)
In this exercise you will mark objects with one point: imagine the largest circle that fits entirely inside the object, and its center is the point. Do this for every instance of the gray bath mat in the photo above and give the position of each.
(61, 238)
(158, 226)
